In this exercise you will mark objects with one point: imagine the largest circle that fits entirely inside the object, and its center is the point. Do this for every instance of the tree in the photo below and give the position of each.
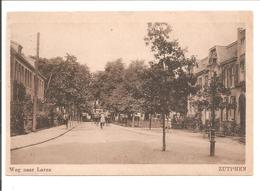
(210, 97)
(106, 83)
(21, 109)
(119, 88)
(169, 77)
(67, 83)
(133, 82)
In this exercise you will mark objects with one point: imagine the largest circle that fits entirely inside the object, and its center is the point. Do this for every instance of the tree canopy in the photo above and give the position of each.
(118, 87)
(169, 79)
(67, 81)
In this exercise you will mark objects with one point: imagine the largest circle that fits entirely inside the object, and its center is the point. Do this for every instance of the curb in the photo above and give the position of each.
(30, 145)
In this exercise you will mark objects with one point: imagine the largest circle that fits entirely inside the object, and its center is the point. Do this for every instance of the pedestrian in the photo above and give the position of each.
(66, 119)
(102, 120)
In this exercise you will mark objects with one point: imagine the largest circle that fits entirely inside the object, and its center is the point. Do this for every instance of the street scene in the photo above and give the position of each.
(116, 145)
(117, 91)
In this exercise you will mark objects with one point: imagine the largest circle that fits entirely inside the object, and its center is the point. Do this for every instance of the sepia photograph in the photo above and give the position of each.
(129, 93)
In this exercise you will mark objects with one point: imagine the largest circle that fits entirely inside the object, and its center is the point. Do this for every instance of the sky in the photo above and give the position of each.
(96, 38)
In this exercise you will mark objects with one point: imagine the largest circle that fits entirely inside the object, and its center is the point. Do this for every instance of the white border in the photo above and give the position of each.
(134, 183)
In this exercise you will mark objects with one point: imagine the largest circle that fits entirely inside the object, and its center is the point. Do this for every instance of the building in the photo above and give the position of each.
(23, 71)
(229, 63)
(22, 78)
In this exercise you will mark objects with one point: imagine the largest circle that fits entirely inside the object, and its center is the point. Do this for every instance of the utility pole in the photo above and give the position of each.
(213, 129)
(164, 107)
(36, 84)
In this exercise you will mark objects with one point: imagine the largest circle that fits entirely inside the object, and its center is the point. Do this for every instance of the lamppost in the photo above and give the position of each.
(164, 106)
(213, 124)
(35, 96)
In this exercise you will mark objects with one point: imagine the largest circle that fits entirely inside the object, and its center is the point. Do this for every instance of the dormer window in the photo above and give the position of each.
(213, 57)
(214, 60)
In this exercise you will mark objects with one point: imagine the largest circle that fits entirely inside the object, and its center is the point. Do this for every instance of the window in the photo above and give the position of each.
(233, 110)
(229, 77)
(23, 81)
(19, 73)
(224, 115)
(30, 79)
(231, 115)
(16, 70)
(225, 77)
(25, 77)
(232, 99)
(236, 74)
(242, 65)
(233, 73)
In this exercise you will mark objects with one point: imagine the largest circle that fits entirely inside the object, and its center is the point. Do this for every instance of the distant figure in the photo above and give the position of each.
(66, 119)
(102, 120)
(96, 119)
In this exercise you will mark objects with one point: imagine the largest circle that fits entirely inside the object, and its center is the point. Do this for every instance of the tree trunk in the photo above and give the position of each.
(221, 120)
(150, 121)
(133, 120)
(164, 144)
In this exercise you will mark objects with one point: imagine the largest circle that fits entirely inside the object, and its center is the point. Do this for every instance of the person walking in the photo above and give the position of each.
(66, 119)
(102, 120)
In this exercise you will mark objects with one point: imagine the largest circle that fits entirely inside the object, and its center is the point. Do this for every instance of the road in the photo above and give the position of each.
(88, 144)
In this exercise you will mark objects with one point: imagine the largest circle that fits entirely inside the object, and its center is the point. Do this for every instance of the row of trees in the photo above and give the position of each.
(125, 89)
(161, 86)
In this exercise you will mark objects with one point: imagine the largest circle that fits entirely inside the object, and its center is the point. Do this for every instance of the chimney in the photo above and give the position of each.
(20, 49)
(240, 33)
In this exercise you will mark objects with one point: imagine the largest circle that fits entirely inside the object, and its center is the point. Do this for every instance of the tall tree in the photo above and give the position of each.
(119, 88)
(133, 82)
(108, 82)
(169, 77)
(67, 82)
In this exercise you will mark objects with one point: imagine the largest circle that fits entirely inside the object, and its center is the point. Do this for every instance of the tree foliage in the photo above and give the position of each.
(67, 81)
(118, 87)
(169, 80)
(203, 99)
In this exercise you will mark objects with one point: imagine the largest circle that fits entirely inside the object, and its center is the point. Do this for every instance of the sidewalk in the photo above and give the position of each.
(38, 137)
(180, 132)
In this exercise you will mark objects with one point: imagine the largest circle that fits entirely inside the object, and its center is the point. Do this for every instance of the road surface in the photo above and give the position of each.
(88, 144)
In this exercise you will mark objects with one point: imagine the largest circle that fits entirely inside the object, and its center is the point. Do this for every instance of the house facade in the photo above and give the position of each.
(229, 63)
(23, 72)
(22, 90)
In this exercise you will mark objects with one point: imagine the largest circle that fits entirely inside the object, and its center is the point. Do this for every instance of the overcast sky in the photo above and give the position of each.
(96, 39)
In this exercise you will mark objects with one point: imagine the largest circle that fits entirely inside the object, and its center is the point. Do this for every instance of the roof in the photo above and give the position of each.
(224, 54)
(227, 52)
(15, 45)
(28, 61)
(202, 65)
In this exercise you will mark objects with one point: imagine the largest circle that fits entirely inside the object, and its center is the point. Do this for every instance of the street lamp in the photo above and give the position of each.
(213, 87)
(164, 106)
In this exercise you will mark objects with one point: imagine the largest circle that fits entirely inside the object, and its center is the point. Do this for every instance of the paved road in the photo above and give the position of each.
(88, 144)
